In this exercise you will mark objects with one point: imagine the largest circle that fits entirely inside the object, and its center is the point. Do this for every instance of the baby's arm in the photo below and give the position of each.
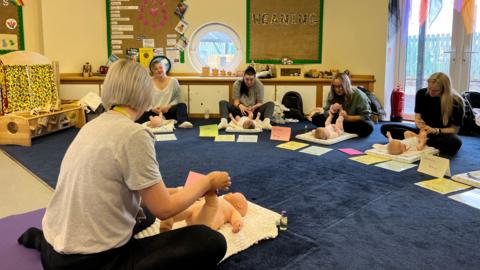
(236, 220)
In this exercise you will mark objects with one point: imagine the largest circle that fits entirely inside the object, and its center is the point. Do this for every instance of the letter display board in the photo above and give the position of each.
(284, 28)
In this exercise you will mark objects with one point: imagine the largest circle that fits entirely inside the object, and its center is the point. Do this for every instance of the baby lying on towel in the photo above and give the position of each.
(213, 212)
(158, 121)
(331, 131)
(412, 142)
(245, 122)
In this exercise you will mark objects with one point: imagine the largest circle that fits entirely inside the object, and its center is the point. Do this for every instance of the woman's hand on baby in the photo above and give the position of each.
(243, 109)
(429, 130)
(219, 180)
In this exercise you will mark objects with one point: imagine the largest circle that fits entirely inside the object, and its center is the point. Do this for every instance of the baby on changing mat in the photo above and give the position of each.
(330, 131)
(157, 121)
(213, 211)
(411, 141)
(246, 122)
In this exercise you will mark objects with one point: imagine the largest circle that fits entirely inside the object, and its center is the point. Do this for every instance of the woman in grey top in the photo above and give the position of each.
(107, 170)
(355, 107)
(247, 97)
(166, 100)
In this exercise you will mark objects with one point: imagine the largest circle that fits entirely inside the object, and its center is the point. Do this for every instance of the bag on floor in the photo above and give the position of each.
(378, 113)
(472, 100)
(293, 101)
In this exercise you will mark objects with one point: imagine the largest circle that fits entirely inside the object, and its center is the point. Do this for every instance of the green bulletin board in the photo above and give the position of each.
(11, 27)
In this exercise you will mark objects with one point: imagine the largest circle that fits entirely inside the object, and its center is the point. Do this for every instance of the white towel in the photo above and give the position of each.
(258, 224)
(169, 126)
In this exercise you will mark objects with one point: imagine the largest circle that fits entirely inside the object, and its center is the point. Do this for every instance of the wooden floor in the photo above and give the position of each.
(21, 190)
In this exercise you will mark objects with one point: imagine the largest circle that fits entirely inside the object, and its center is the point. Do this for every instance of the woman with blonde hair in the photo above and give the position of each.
(439, 110)
(353, 104)
(107, 170)
(166, 99)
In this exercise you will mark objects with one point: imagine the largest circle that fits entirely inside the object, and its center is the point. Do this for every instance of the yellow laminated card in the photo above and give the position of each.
(209, 131)
(292, 145)
(442, 185)
(369, 159)
(225, 138)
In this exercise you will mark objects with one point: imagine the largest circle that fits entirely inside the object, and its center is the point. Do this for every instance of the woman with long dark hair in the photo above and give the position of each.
(247, 97)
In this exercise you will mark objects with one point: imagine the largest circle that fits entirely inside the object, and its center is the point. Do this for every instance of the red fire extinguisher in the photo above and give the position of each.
(397, 101)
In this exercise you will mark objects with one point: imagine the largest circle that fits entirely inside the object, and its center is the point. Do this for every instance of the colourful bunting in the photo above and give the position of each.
(17, 2)
(434, 9)
(468, 14)
(423, 12)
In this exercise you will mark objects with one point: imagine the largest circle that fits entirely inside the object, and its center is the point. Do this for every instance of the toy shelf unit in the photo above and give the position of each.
(29, 84)
(21, 127)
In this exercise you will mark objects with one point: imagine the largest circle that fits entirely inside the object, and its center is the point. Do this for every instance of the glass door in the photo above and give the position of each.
(442, 36)
(430, 45)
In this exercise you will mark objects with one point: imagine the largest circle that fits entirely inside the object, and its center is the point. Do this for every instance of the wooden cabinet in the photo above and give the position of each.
(200, 93)
(206, 97)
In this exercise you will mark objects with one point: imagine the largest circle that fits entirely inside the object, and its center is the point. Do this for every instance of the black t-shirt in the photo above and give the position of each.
(431, 112)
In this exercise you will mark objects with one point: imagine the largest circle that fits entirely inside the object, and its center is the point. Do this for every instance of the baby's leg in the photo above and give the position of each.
(232, 119)
(422, 140)
(328, 122)
(339, 124)
(208, 211)
(389, 136)
(409, 134)
(250, 115)
(258, 117)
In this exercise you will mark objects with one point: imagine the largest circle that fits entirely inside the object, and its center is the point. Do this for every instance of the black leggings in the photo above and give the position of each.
(189, 247)
(447, 144)
(177, 112)
(362, 128)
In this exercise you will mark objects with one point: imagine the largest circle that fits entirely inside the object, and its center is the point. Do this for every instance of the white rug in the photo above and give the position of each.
(258, 224)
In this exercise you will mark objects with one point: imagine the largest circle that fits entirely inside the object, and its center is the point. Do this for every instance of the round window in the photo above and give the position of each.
(215, 45)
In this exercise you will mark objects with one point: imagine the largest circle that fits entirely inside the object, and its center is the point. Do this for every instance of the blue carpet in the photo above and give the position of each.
(342, 214)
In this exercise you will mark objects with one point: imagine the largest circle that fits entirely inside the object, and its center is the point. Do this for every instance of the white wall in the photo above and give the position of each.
(74, 32)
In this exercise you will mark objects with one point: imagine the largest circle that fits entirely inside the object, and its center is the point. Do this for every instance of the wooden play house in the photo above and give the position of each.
(29, 84)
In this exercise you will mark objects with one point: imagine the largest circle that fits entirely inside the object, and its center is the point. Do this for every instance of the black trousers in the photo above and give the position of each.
(190, 247)
(362, 128)
(447, 144)
(177, 112)
(266, 110)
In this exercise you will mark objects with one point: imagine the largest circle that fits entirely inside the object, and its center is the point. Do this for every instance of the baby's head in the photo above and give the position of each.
(396, 147)
(238, 201)
(249, 124)
(321, 133)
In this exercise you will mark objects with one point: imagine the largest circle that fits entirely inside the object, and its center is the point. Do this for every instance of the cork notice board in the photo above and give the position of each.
(284, 28)
(143, 23)
(11, 27)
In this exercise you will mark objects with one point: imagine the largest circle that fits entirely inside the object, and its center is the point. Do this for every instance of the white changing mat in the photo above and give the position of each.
(471, 178)
(168, 127)
(311, 138)
(235, 128)
(410, 156)
(258, 224)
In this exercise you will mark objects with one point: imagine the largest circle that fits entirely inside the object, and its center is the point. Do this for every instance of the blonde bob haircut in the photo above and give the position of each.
(128, 83)
(449, 95)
